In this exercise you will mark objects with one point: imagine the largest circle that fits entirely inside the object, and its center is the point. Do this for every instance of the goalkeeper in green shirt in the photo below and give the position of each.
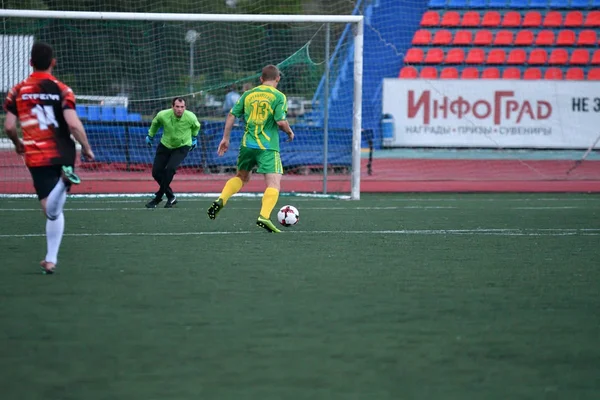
(264, 109)
(180, 136)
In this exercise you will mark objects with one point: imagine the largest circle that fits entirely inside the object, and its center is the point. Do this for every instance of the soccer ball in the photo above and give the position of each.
(288, 216)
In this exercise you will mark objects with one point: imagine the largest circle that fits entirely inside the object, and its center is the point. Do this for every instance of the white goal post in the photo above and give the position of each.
(358, 31)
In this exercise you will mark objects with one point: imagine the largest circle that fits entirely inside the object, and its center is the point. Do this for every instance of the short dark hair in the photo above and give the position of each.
(270, 73)
(178, 99)
(41, 56)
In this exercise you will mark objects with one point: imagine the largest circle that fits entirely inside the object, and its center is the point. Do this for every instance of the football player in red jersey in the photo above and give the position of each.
(45, 109)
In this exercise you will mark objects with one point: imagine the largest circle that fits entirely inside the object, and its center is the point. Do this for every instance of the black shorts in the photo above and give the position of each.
(45, 178)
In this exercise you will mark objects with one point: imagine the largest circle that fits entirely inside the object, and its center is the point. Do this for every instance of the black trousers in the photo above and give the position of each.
(165, 166)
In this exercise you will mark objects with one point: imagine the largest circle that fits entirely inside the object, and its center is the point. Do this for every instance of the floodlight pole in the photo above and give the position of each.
(191, 36)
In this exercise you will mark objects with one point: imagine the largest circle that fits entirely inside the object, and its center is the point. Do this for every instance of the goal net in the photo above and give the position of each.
(125, 67)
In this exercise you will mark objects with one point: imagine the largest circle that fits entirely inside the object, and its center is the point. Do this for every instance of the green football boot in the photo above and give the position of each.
(266, 224)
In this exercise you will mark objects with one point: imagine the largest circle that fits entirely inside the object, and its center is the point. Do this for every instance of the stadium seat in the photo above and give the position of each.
(498, 3)
(491, 19)
(107, 113)
(490, 73)
(442, 37)
(428, 73)
(580, 3)
(471, 18)
(496, 56)
(511, 73)
(408, 73)
(93, 113)
(558, 57)
(134, 117)
(538, 4)
(503, 38)
(470, 73)
(414, 56)
(532, 19)
(537, 57)
(437, 3)
(430, 18)
(450, 18)
(565, 37)
(512, 19)
(596, 4)
(81, 110)
(434, 56)
(596, 58)
(457, 3)
(524, 38)
(532, 74)
(462, 38)
(483, 37)
(475, 56)
(478, 4)
(553, 74)
(592, 19)
(518, 4)
(579, 57)
(553, 19)
(574, 19)
(421, 37)
(120, 114)
(575, 74)
(545, 38)
(455, 56)
(559, 3)
(587, 38)
(449, 73)
(516, 56)
(594, 74)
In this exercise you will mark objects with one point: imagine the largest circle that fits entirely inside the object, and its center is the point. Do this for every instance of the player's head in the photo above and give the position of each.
(42, 57)
(270, 75)
(178, 106)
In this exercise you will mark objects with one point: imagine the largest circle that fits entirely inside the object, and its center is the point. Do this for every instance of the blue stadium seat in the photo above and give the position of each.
(107, 113)
(538, 3)
(478, 3)
(134, 117)
(81, 111)
(580, 3)
(559, 3)
(595, 3)
(120, 114)
(457, 3)
(519, 4)
(437, 3)
(498, 3)
(93, 113)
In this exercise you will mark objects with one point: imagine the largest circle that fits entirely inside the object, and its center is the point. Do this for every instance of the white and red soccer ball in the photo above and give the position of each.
(288, 216)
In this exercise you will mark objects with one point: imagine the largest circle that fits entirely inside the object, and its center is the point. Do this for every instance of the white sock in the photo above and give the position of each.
(54, 234)
(56, 200)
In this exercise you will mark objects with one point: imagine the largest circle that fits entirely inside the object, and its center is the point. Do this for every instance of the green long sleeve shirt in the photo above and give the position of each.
(177, 132)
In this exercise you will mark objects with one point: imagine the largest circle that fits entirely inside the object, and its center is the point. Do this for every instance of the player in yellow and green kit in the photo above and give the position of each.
(264, 109)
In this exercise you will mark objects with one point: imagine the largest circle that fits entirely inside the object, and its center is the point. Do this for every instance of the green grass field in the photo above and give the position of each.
(392, 297)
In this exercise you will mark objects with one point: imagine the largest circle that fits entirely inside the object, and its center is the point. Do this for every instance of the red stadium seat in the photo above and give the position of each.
(511, 73)
(428, 73)
(532, 73)
(450, 18)
(408, 73)
(413, 56)
(462, 38)
(594, 74)
(532, 19)
(434, 56)
(553, 74)
(449, 73)
(496, 56)
(471, 18)
(565, 38)
(587, 38)
(596, 58)
(455, 56)
(512, 19)
(421, 37)
(579, 57)
(524, 38)
(574, 19)
(516, 56)
(442, 37)
(490, 73)
(537, 57)
(558, 57)
(491, 19)
(470, 73)
(483, 38)
(575, 74)
(592, 20)
(553, 19)
(430, 18)
(545, 38)
(475, 56)
(503, 38)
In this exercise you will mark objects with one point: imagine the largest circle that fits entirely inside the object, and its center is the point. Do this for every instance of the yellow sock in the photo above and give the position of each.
(268, 202)
(231, 187)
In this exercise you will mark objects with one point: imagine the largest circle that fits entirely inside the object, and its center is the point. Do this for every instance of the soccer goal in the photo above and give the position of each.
(125, 67)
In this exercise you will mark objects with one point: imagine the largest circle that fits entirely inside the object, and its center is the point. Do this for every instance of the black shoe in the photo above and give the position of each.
(214, 208)
(171, 202)
(153, 203)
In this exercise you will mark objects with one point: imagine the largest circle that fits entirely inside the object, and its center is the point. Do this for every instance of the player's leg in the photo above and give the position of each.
(161, 158)
(177, 157)
(269, 165)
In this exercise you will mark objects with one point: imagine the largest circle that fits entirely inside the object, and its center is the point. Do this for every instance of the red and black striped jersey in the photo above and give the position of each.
(38, 102)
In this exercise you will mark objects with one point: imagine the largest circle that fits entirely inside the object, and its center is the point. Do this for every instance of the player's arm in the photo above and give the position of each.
(285, 126)
(78, 131)
(279, 113)
(224, 145)
(10, 128)
(155, 125)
